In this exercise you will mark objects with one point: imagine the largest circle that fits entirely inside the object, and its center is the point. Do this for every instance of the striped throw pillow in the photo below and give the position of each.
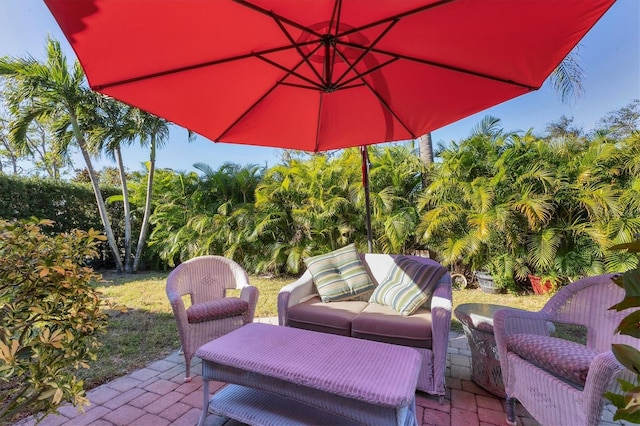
(339, 275)
(408, 285)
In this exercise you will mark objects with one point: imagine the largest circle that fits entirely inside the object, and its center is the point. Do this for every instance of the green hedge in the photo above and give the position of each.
(69, 205)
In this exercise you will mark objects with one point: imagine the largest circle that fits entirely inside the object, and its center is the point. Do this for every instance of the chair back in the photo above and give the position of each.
(206, 278)
(586, 302)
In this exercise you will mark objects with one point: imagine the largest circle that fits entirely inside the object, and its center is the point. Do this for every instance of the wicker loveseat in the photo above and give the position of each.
(426, 330)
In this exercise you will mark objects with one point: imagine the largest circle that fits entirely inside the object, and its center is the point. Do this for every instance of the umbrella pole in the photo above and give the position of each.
(365, 183)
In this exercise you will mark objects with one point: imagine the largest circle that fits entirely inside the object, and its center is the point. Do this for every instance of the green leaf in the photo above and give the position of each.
(626, 386)
(630, 325)
(622, 414)
(627, 356)
(633, 246)
(631, 281)
(627, 302)
(617, 400)
(114, 199)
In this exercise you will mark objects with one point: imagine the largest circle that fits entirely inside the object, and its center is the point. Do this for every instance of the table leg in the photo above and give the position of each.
(205, 402)
(406, 416)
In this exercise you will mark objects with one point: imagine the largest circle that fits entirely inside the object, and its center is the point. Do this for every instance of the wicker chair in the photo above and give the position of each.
(211, 313)
(557, 381)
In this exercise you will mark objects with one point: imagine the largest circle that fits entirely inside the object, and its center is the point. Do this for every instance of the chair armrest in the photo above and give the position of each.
(250, 294)
(293, 294)
(510, 321)
(180, 313)
(602, 372)
(441, 325)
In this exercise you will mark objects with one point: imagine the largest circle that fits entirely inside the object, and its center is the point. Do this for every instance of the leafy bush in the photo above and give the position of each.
(628, 403)
(69, 205)
(50, 316)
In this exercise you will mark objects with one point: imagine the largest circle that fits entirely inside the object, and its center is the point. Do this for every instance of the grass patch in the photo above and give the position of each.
(147, 331)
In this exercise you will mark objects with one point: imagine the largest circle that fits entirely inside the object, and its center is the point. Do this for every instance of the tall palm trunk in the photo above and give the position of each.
(127, 211)
(102, 208)
(426, 154)
(147, 205)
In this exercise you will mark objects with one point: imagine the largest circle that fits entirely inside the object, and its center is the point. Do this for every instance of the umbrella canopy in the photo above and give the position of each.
(316, 75)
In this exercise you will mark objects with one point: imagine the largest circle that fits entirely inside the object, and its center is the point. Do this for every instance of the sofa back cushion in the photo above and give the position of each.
(408, 285)
(340, 275)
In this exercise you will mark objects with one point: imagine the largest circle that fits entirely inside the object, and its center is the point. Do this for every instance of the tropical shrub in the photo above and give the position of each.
(518, 204)
(628, 403)
(50, 316)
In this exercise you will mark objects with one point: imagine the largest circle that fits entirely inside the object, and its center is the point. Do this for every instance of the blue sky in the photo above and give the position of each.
(610, 55)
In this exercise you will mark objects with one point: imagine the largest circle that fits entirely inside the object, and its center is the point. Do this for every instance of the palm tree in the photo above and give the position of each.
(111, 127)
(395, 181)
(153, 131)
(175, 204)
(47, 89)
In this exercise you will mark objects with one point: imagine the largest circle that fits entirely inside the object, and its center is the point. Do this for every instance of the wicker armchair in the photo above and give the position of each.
(557, 381)
(211, 314)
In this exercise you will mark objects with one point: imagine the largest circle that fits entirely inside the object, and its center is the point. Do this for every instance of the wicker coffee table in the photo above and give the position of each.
(281, 375)
(477, 323)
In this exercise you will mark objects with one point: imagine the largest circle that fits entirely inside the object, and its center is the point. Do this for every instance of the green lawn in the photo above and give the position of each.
(147, 331)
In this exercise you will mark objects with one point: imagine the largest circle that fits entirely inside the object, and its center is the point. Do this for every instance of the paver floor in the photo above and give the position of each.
(156, 395)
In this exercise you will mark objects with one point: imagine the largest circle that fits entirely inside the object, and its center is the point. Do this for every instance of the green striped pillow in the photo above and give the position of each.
(408, 285)
(339, 275)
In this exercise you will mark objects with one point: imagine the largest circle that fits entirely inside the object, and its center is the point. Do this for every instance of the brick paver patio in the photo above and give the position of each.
(157, 395)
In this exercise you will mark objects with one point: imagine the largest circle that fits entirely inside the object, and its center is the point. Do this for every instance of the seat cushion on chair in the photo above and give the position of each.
(334, 317)
(340, 275)
(383, 324)
(565, 359)
(217, 309)
(408, 285)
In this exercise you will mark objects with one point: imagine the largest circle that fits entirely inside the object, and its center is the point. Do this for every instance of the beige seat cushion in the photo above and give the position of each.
(383, 324)
(334, 317)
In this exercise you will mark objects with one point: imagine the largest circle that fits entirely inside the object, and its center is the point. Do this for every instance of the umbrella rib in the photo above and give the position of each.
(369, 71)
(280, 17)
(260, 99)
(237, 120)
(318, 123)
(300, 86)
(366, 51)
(337, 10)
(291, 71)
(445, 66)
(397, 17)
(194, 66)
(382, 100)
(297, 47)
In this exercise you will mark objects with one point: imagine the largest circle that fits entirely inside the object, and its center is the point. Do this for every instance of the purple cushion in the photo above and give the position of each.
(568, 360)
(334, 317)
(383, 324)
(217, 309)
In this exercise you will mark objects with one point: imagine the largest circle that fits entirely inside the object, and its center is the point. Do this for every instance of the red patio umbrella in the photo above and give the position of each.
(317, 75)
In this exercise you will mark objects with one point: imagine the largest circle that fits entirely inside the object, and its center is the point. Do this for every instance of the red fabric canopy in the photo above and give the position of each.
(320, 74)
